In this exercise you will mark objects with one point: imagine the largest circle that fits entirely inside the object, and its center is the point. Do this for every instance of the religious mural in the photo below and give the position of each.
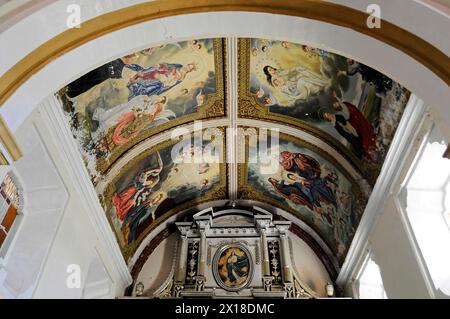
(349, 106)
(307, 183)
(232, 267)
(352, 106)
(159, 182)
(136, 96)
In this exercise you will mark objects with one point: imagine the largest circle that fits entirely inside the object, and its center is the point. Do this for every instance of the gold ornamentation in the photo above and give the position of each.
(425, 53)
(218, 191)
(246, 191)
(9, 142)
(249, 107)
(214, 107)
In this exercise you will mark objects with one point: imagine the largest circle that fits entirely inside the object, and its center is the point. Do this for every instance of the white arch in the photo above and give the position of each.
(70, 66)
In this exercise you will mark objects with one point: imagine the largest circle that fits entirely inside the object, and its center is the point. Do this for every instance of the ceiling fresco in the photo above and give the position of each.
(337, 119)
(160, 182)
(129, 99)
(354, 108)
(307, 182)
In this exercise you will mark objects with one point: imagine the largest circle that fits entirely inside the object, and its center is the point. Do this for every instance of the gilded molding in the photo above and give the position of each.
(8, 140)
(245, 191)
(219, 191)
(3, 160)
(214, 107)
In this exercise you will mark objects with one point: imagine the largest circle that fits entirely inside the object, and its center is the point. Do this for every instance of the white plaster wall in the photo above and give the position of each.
(71, 239)
(394, 253)
(158, 266)
(309, 267)
(45, 199)
(392, 243)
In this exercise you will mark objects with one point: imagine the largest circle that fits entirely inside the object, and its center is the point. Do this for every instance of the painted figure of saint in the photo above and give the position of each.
(345, 128)
(307, 186)
(297, 83)
(135, 218)
(122, 119)
(301, 164)
(136, 194)
(363, 128)
(351, 124)
(122, 134)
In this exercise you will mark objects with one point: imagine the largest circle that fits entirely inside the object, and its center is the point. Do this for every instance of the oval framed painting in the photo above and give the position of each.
(233, 267)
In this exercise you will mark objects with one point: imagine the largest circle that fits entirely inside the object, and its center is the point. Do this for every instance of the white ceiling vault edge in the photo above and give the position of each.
(414, 115)
(399, 66)
(54, 117)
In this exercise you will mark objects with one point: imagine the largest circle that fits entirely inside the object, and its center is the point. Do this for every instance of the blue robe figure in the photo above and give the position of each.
(236, 264)
(147, 82)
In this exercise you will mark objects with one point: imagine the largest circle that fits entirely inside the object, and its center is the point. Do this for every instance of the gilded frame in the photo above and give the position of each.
(245, 191)
(219, 191)
(250, 108)
(215, 267)
(214, 107)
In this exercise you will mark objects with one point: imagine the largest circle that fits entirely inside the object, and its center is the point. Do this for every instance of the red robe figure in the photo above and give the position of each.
(363, 127)
(301, 164)
(136, 194)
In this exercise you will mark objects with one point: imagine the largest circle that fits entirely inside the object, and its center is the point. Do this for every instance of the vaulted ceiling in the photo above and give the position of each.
(177, 124)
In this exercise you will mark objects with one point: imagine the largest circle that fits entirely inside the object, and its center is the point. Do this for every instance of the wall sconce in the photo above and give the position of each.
(330, 290)
(139, 289)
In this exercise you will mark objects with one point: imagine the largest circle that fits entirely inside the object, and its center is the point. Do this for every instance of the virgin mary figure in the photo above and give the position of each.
(297, 83)
(157, 79)
(237, 267)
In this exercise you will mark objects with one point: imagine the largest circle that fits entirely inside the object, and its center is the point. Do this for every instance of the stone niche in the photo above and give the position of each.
(233, 253)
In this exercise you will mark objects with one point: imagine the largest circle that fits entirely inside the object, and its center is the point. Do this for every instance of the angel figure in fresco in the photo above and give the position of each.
(137, 193)
(135, 218)
(127, 127)
(297, 83)
(124, 121)
(157, 79)
(313, 52)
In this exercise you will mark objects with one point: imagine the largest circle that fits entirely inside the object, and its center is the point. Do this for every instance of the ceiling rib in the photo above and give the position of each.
(232, 74)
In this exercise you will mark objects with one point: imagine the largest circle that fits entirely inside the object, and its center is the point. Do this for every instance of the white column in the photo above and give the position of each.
(202, 254)
(284, 252)
(181, 272)
(265, 253)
